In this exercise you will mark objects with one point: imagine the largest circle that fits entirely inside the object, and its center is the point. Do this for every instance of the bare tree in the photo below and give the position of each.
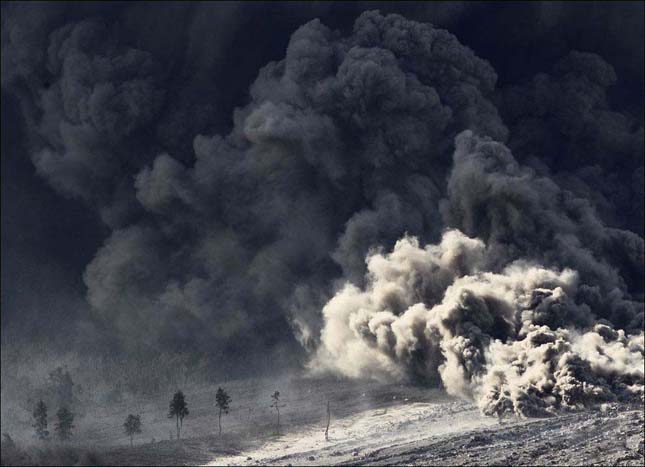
(328, 420)
(132, 426)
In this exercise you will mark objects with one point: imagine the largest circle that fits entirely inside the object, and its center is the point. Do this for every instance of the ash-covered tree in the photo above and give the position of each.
(65, 423)
(178, 410)
(40, 420)
(222, 400)
(132, 426)
(275, 403)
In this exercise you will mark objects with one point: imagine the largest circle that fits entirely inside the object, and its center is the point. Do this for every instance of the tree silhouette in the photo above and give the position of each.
(275, 403)
(178, 410)
(222, 400)
(132, 426)
(40, 420)
(65, 423)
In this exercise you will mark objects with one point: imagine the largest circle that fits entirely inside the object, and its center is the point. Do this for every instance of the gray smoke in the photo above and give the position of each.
(232, 242)
(529, 318)
(437, 314)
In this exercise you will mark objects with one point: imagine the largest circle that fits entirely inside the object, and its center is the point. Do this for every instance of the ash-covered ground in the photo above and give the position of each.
(371, 424)
(453, 434)
(441, 431)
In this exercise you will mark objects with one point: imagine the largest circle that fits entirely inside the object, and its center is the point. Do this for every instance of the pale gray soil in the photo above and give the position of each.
(458, 436)
(372, 424)
(576, 439)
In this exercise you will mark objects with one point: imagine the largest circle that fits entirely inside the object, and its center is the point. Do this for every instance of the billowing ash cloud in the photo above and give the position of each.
(348, 144)
(562, 122)
(516, 341)
(342, 147)
(524, 216)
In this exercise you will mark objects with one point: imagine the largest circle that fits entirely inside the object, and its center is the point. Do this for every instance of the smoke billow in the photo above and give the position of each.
(515, 340)
(530, 198)
(530, 319)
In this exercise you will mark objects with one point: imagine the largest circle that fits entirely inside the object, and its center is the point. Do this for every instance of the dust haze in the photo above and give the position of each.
(443, 197)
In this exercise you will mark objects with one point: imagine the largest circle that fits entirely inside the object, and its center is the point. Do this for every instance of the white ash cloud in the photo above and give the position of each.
(435, 314)
(532, 318)
(522, 215)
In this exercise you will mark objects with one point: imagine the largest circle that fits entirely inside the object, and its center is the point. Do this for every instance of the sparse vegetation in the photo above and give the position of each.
(222, 400)
(99, 437)
(178, 410)
(49, 454)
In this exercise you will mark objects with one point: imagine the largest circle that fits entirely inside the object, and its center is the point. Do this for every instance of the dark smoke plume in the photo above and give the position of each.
(395, 135)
